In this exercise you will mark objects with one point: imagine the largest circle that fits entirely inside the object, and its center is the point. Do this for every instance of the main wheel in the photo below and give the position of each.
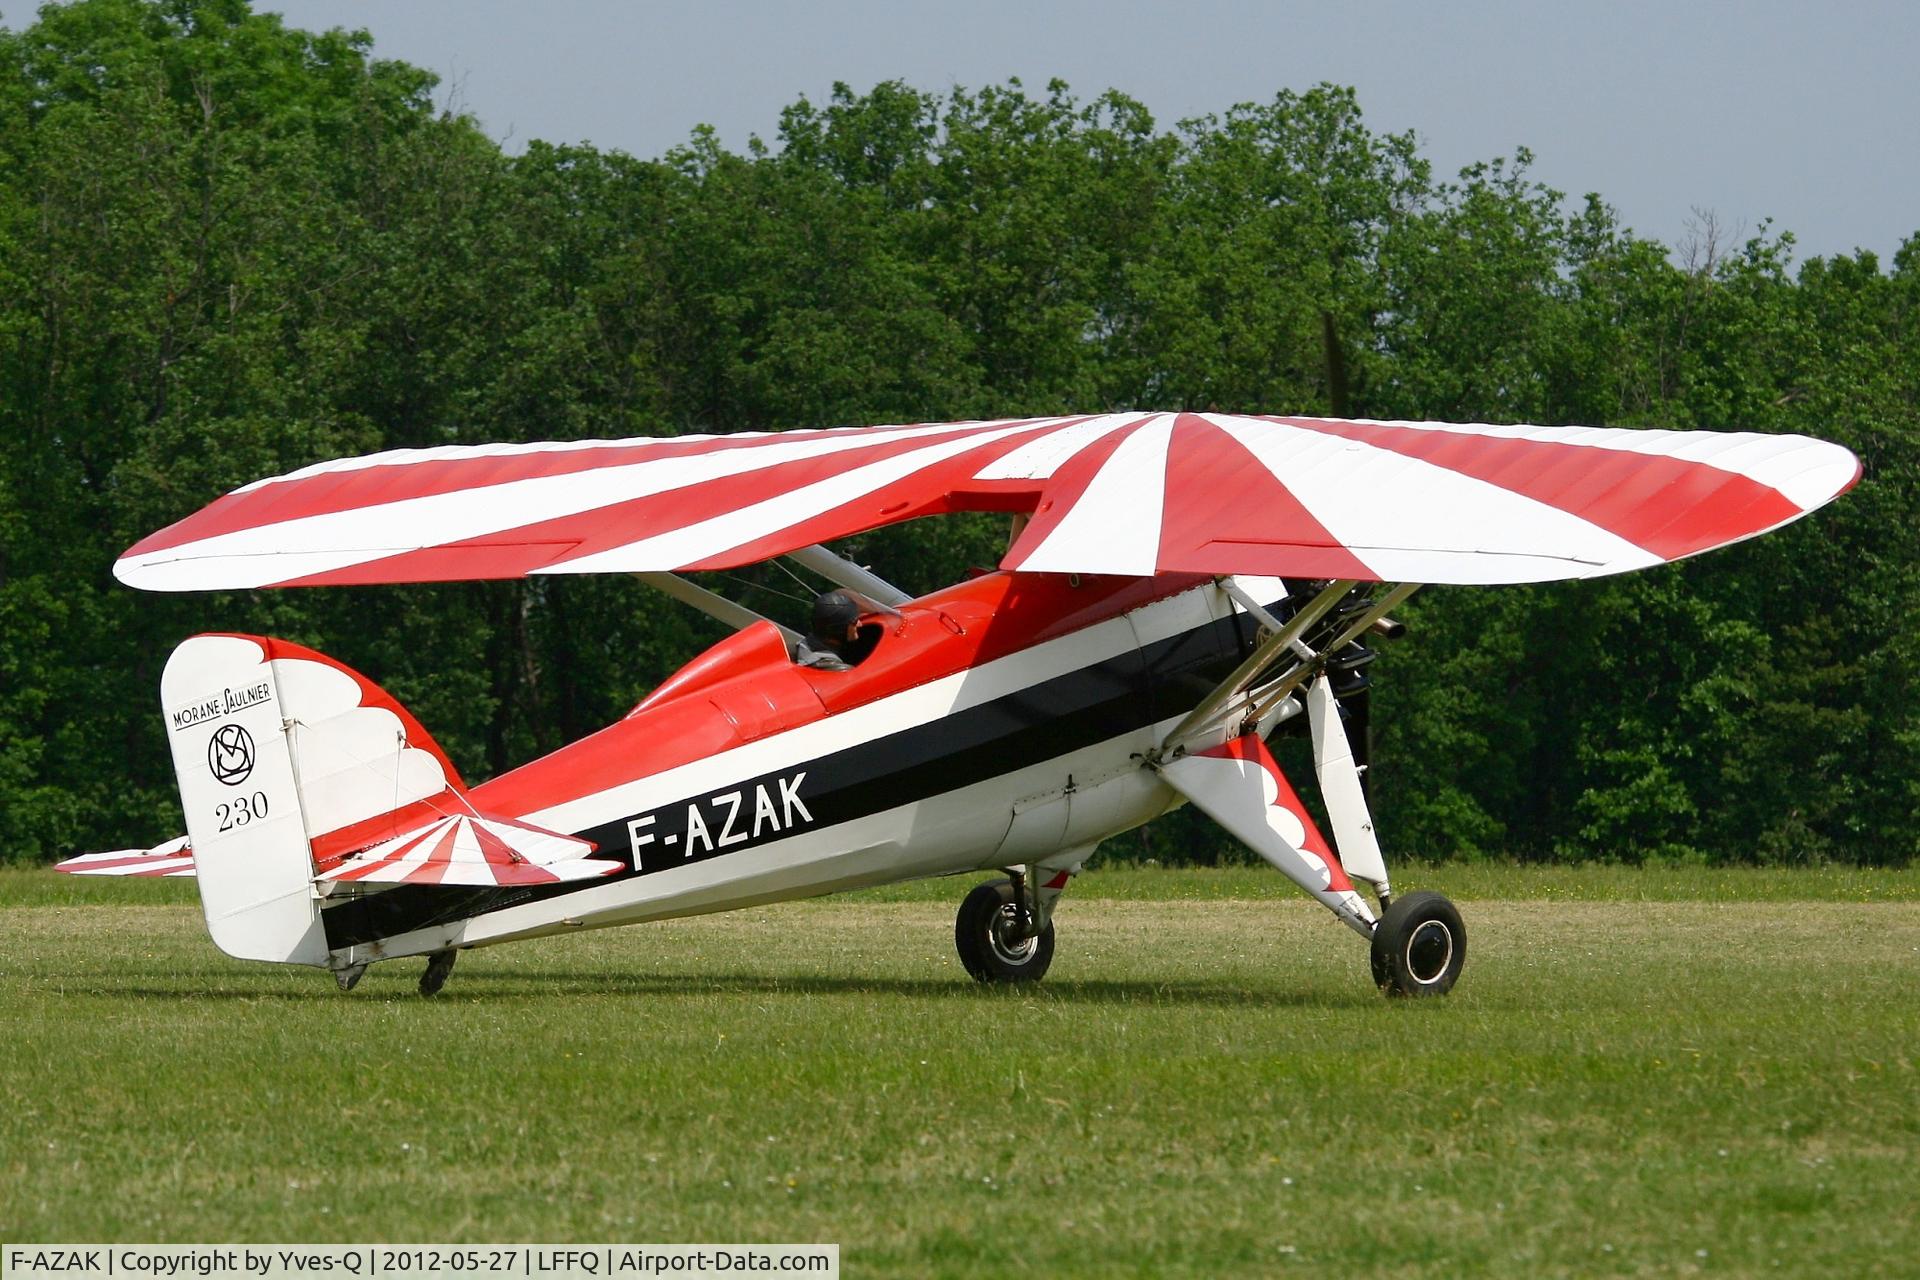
(986, 933)
(1419, 946)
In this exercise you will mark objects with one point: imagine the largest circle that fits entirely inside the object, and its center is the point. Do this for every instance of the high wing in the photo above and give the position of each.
(1123, 493)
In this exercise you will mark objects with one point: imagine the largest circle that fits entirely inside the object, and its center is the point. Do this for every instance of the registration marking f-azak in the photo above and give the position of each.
(700, 834)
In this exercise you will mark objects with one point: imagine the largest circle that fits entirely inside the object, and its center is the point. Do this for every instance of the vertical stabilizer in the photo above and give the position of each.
(234, 765)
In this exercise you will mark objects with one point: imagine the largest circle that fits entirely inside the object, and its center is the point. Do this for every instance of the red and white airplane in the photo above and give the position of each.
(1179, 586)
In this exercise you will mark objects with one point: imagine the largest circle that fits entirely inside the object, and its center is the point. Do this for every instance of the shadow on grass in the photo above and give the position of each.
(517, 987)
(1086, 991)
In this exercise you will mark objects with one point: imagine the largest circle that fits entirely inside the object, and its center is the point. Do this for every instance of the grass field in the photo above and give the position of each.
(1641, 1073)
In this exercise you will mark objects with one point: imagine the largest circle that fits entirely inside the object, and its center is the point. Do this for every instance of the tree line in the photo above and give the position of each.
(229, 248)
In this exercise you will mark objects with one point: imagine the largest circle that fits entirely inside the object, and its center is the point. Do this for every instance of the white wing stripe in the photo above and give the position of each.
(1805, 471)
(343, 538)
(461, 452)
(1114, 525)
(722, 533)
(1039, 459)
(1386, 507)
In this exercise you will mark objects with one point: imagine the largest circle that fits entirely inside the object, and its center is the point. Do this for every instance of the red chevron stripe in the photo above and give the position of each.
(1667, 506)
(1218, 494)
(355, 488)
(515, 550)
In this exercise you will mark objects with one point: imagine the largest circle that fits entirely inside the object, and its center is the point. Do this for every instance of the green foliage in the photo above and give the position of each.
(228, 249)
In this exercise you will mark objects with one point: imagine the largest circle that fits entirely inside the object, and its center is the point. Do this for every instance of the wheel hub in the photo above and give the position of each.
(1008, 939)
(1429, 952)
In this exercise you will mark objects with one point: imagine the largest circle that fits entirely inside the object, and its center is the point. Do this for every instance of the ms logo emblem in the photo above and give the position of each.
(230, 754)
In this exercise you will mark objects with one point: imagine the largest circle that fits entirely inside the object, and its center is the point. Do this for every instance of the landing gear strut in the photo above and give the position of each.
(996, 936)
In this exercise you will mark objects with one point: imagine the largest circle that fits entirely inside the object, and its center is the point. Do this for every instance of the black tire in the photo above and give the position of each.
(439, 969)
(1419, 946)
(980, 935)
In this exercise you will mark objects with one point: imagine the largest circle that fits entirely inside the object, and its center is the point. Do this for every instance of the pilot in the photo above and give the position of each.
(836, 627)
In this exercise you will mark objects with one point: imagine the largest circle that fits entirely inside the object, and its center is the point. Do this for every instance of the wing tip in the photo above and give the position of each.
(1824, 472)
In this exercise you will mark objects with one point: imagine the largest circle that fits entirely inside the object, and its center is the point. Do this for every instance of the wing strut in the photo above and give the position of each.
(718, 607)
(843, 572)
(1311, 661)
(1264, 654)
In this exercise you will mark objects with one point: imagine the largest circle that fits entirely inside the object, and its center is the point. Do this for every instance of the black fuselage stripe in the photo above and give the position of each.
(1043, 721)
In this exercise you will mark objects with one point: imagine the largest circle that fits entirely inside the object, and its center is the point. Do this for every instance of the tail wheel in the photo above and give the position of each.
(992, 945)
(1419, 946)
(439, 969)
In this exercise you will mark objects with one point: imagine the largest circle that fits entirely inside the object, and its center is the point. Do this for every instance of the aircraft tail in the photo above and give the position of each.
(281, 753)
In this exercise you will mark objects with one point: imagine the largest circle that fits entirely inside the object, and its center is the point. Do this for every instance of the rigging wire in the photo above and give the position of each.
(774, 591)
(788, 570)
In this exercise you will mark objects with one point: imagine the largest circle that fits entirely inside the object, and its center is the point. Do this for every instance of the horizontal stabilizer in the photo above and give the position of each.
(174, 858)
(1239, 786)
(469, 849)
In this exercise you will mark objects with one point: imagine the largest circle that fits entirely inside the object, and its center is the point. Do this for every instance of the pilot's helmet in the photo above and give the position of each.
(833, 613)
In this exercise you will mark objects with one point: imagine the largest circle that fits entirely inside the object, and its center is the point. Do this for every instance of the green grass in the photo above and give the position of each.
(1642, 1072)
(1467, 882)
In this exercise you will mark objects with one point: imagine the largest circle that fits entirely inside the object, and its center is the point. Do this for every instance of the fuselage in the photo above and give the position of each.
(998, 722)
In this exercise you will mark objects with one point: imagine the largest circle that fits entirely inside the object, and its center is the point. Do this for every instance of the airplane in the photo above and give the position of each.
(1177, 588)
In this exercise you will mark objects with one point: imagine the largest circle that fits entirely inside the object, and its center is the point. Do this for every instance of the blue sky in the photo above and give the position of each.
(1808, 114)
